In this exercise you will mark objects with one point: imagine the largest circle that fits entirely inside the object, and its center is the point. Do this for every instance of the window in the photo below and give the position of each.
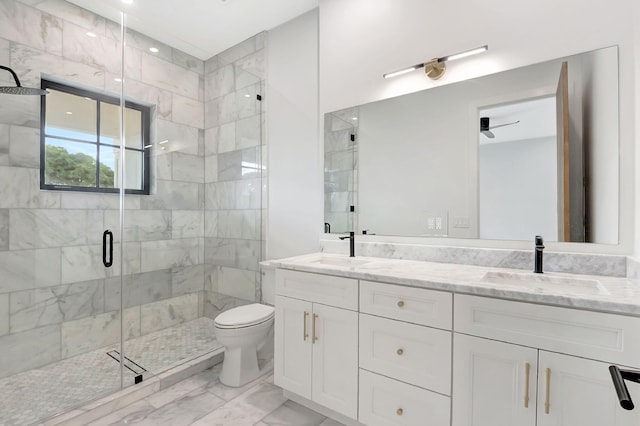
(80, 142)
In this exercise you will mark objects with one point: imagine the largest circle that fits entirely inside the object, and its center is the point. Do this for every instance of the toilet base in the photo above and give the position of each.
(240, 366)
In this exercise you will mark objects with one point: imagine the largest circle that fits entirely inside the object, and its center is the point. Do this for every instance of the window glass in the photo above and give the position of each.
(71, 116)
(110, 126)
(81, 142)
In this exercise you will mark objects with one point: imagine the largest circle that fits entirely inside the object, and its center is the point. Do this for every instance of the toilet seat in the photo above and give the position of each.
(244, 316)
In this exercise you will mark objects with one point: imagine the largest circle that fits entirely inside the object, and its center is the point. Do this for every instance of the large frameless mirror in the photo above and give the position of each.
(529, 151)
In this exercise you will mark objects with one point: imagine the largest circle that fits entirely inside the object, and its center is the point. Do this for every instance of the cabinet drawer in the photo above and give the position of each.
(417, 305)
(326, 289)
(412, 353)
(387, 402)
(607, 337)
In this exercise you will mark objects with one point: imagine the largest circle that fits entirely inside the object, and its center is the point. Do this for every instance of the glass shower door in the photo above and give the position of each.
(60, 310)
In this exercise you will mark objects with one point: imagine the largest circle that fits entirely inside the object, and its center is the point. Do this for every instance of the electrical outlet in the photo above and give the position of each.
(437, 223)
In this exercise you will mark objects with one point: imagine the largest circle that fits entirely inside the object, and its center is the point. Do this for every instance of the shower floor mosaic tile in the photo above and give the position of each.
(32, 395)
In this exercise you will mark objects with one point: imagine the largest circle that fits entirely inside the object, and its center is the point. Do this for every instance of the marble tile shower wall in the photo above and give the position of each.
(56, 298)
(341, 169)
(235, 178)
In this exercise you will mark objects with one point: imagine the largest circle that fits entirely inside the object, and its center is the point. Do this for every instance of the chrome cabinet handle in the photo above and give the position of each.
(304, 331)
(527, 372)
(546, 402)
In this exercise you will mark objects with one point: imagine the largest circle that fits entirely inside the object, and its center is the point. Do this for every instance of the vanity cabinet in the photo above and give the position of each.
(502, 383)
(316, 345)
(405, 361)
(385, 355)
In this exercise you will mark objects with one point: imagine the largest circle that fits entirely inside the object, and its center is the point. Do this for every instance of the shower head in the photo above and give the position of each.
(18, 89)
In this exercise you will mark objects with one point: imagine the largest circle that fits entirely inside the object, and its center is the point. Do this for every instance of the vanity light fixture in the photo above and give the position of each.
(435, 68)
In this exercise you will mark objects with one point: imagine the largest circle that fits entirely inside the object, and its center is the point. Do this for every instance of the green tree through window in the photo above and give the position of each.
(77, 169)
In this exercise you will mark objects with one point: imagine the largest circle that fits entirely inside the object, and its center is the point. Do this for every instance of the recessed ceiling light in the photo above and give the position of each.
(354, 118)
(247, 95)
(127, 1)
(153, 49)
(69, 113)
(92, 35)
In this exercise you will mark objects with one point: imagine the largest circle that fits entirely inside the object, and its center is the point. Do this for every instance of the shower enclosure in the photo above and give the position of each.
(101, 284)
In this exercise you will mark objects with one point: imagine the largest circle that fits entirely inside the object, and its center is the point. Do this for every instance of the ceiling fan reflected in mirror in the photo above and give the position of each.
(486, 127)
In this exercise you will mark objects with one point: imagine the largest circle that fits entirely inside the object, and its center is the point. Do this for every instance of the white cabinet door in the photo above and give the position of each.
(335, 359)
(580, 392)
(293, 349)
(490, 383)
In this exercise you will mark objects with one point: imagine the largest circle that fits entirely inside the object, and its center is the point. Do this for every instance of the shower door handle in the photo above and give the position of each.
(109, 234)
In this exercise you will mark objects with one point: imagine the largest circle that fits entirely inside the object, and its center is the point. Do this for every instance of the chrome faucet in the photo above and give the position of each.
(537, 267)
(352, 243)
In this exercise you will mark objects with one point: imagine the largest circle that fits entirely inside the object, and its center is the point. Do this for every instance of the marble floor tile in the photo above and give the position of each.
(192, 402)
(293, 414)
(127, 415)
(184, 411)
(330, 422)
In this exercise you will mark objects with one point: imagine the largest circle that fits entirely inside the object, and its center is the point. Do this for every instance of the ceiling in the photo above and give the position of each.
(537, 120)
(202, 28)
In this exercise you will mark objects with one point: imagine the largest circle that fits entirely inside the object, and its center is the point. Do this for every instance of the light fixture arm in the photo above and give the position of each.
(435, 68)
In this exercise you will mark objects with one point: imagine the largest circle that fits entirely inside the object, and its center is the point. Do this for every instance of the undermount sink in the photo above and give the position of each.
(340, 261)
(544, 282)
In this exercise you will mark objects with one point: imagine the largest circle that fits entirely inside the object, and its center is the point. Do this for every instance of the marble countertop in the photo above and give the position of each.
(608, 294)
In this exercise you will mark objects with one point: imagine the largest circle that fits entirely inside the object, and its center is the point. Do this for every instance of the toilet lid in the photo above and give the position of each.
(244, 316)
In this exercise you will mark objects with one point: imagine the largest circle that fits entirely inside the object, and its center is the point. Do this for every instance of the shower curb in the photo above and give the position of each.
(115, 401)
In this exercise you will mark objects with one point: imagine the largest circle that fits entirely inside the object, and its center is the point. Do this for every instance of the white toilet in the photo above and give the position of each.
(242, 331)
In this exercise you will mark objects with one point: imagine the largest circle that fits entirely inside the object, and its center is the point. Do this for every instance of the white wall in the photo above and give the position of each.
(294, 167)
(414, 163)
(360, 40)
(636, 90)
(518, 194)
(600, 138)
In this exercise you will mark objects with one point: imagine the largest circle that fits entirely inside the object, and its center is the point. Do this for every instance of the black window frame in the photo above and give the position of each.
(98, 97)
